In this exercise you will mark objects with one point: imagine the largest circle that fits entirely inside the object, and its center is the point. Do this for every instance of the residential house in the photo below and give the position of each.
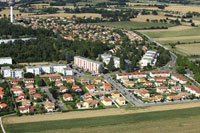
(37, 96)
(121, 101)
(91, 88)
(67, 97)
(162, 90)
(63, 89)
(107, 87)
(160, 74)
(129, 84)
(76, 88)
(87, 97)
(85, 81)
(107, 102)
(88, 104)
(58, 83)
(29, 85)
(115, 94)
(179, 78)
(49, 106)
(174, 97)
(193, 90)
(176, 89)
(28, 80)
(147, 84)
(3, 105)
(172, 82)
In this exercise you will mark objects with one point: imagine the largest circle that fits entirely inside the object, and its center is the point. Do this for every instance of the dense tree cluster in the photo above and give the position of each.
(176, 1)
(9, 30)
(185, 63)
(49, 10)
(50, 49)
(7, 99)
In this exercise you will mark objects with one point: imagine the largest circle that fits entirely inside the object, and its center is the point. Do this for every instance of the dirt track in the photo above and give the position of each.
(94, 113)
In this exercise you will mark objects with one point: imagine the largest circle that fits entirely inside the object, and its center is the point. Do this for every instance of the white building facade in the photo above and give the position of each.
(149, 58)
(5, 60)
(38, 70)
(87, 64)
(7, 72)
(67, 72)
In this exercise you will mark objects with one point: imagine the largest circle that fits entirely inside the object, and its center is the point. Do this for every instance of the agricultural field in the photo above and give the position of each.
(171, 7)
(59, 14)
(189, 49)
(62, 14)
(184, 120)
(7, 13)
(94, 113)
(143, 18)
(134, 25)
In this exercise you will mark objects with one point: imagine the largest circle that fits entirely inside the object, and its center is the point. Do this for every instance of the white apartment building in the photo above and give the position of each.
(7, 72)
(34, 70)
(38, 70)
(67, 72)
(149, 58)
(58, 68)
(106, 59)
(5, 60)
(46, 69)
(87, 64)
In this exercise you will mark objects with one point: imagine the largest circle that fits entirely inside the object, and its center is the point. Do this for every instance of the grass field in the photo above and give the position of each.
(171, 7)
(175, 28)
(7, 12)
(165, 34)
(62, 14)
(142, 18)
(184, 120)
(190, 49)
(134, 25)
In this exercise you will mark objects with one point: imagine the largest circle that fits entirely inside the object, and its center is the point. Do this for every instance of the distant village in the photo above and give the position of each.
(70, 30)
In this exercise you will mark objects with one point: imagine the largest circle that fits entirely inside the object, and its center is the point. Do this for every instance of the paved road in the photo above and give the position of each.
(60, 103)
(124, 91)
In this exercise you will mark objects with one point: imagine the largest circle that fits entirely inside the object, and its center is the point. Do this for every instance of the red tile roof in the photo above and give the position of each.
(133, 73)
(193, 88)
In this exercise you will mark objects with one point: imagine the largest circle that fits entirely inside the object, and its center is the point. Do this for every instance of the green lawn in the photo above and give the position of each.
(163, 34)
(107, 121)
(134, 25)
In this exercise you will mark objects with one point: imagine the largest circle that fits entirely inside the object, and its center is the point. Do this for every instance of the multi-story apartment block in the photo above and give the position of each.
(54, 68)
(5, 60)
(7, 72)
(87, 64)
(149, 58)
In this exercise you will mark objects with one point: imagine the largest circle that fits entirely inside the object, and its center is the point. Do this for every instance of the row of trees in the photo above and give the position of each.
(124, 15)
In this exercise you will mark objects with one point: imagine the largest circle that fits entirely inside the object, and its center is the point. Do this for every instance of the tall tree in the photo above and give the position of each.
(122, 63)
(111, 66)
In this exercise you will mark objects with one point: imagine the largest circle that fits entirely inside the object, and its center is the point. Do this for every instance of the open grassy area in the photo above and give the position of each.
(190, 49)
(166, 121)
(134, 25)
(165, 34)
